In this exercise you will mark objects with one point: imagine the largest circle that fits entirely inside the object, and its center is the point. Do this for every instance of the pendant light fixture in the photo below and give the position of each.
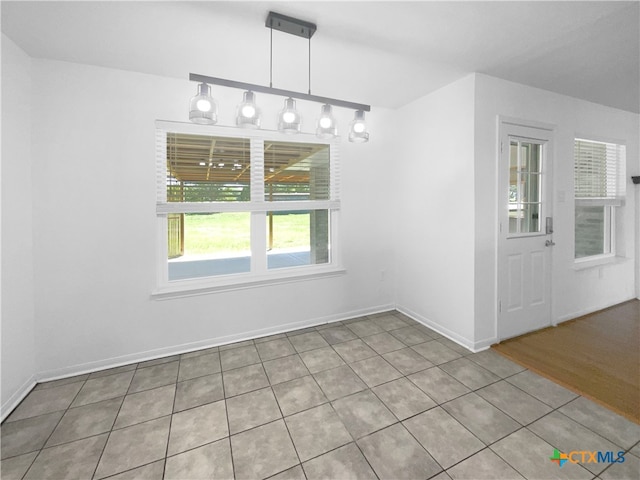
(327, 125)
(289, 120)
(248, 114)
(358, 128)
(203, 108)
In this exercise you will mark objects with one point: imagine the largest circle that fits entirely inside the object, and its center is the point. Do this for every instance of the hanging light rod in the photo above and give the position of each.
(194, 77)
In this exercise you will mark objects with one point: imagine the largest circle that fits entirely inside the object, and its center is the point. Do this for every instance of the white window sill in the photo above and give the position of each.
(188, 288)
(599, 262)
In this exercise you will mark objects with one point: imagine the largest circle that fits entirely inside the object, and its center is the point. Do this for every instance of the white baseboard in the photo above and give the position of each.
(14, 400)
(445, 332)
(587, 311)
(485, 344)
(89, 367)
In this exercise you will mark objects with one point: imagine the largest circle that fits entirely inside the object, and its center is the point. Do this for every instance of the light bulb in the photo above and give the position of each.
(289, 120)
(358, 130)
(325, 122)
(248, 111)
(203, 105)
(327, 126)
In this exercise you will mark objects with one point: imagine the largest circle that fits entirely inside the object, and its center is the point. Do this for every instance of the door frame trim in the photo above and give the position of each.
(502, 122)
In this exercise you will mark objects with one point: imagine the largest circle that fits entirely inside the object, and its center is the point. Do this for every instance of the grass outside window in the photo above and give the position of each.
(229, 233)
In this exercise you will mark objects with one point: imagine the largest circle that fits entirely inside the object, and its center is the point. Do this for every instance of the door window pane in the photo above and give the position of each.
(534, 157)
(525, 186)
(532, 192)
(513, 156)
(530, 218)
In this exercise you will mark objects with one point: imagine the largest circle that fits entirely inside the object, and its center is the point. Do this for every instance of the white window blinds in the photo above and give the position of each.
(599, 172)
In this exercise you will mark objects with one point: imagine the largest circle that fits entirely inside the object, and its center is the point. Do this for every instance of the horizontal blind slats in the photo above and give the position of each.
(209, 173)
(161, 165)
(213, 207)
(599, 171)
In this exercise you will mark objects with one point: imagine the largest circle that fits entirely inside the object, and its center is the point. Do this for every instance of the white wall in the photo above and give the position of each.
(418, 218)
(575, 292)
(94, 227)
(446, 234)
(434, 209)
(18, 341)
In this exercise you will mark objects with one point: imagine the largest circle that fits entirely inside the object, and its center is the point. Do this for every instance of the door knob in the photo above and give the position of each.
(549, 243)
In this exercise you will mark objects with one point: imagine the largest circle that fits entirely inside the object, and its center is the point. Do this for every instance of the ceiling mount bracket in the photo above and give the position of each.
(290, 25)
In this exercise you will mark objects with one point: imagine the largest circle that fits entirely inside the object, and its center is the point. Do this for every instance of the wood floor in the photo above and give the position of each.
(597, 355)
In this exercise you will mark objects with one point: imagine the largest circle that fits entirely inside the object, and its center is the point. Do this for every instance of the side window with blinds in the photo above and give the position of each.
(599, 169)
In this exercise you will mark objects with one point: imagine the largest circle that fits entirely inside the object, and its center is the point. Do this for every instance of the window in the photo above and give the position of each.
(599, 189)
(525, 186)
(236, 209)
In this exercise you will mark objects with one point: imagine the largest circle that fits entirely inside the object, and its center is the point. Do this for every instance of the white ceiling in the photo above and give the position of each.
(383, 53)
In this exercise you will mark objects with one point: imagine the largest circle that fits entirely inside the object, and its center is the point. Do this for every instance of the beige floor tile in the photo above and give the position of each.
(363, 413)
(345, 463)
(72, 460)
(198, 391)
(28, 435)
(485, 465)
(403, 398)
(394, 453)
(263, 451)
(103, 388)
(299, 394)
(14, 468)
(209, 461)
(82, 422)
(151, 471)
(134, 446)
(198, 426)
(252, 409)
(48, 400)
(146, 405)
(316, 431)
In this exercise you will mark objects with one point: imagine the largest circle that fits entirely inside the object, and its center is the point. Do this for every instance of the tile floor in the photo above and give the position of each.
(374, 397)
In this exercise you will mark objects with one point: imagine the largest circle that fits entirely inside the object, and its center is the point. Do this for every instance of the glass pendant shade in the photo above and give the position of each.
(327, 125)
(248, 114)
(203, 108)
(358, 128)
(289, 120)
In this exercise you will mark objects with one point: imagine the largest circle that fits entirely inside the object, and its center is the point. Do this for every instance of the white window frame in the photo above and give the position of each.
(609, 237)
(610, 209)
(258, 208)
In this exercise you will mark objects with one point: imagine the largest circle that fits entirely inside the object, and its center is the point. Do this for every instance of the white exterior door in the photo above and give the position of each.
(525, 223)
